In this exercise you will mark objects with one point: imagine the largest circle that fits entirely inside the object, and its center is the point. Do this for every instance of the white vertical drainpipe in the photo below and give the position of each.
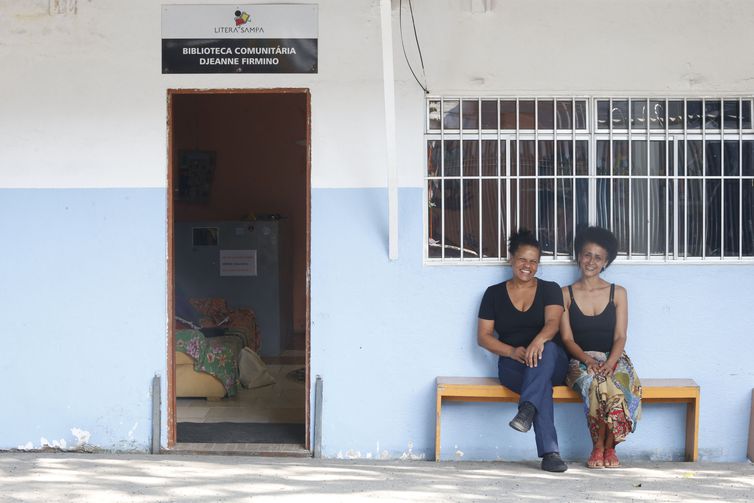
(386, 21)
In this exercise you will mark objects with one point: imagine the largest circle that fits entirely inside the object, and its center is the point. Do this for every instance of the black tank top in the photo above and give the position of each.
(593, 333)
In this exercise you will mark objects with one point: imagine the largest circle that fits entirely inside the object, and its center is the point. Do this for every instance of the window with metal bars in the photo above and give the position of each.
(673, 178)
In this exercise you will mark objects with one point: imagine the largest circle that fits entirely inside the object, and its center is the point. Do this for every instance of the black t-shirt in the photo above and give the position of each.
(515, 327)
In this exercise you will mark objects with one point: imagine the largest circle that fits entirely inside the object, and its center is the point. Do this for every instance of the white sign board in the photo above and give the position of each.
(252, 38)
(238, 262)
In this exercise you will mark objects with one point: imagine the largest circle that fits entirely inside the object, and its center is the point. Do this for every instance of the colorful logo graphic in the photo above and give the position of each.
(241, 18)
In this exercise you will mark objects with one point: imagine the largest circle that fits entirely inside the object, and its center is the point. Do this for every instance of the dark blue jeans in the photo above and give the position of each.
(534, 384)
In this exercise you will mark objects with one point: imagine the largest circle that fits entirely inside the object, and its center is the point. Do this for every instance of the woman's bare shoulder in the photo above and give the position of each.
(621, 292)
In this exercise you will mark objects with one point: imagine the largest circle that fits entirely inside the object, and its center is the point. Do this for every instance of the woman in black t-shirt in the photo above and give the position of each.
(525, 313)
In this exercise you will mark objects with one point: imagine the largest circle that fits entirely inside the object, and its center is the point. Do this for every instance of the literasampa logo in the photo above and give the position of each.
(241, 24)
(241, 18)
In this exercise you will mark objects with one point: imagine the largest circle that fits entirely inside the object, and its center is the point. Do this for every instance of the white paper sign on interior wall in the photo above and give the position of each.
(238, 262)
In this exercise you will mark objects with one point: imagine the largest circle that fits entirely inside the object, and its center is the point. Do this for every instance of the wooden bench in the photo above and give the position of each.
(489, 389)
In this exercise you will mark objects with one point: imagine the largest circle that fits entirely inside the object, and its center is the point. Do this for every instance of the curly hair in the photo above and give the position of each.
(599, 236)
(524, 237)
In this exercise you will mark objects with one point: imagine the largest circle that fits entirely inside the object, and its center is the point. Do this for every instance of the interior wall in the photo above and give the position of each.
(260, 166)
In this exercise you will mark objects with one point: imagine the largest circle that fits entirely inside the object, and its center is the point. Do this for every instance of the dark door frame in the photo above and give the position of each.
(171, 440)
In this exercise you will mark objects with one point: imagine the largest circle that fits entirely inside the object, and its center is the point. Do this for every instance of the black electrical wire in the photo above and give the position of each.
(403, 45)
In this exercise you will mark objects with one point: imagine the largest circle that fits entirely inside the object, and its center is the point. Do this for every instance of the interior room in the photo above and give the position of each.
(239, 246)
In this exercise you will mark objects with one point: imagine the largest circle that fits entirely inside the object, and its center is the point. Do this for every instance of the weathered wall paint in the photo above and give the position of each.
(83, 304)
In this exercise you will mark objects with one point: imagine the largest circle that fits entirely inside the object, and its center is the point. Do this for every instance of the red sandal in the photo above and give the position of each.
(596, 459)
(611, 459)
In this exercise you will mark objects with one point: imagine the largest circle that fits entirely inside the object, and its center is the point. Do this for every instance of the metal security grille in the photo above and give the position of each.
(672, 178)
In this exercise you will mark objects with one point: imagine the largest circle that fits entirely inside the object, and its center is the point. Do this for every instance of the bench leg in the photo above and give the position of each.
(437, 426)
(692, 430)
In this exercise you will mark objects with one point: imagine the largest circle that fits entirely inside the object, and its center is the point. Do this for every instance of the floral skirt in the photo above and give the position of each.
(614, 401)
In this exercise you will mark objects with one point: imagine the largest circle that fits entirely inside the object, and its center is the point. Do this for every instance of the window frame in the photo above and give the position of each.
(592, 133)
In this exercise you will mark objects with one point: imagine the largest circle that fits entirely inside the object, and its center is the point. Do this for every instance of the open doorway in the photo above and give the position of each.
(238, 209)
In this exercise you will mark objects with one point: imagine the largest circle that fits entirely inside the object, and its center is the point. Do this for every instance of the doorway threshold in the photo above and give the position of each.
(240, 449)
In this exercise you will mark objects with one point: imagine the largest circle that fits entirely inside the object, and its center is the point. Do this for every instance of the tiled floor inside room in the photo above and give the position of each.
(281, 402)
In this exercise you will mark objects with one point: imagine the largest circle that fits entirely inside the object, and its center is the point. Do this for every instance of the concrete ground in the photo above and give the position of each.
(102, 478)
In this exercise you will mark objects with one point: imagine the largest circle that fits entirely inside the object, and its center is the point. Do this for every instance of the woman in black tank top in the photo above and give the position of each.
(593, 330)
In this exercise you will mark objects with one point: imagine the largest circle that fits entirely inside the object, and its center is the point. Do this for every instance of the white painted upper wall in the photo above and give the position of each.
(84, 100)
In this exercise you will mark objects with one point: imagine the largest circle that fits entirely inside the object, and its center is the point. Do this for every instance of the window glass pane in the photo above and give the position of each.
(526, 114)
(546, 165)
(694, 153)
(581, 114)
(565, 114)
(713, 198)
(747, 205)
(747, 169)
(451, 112)
(731, 158)
(657, 114)
(639, 157)
(489, 157)
(527, 203)
(657, 216)
(490, 217)
(620, 114)
(434, 158)
(434, 115)
(582, 157)
(434, 218)
(713, 158)
(603, 202)
(452, 229)
(546, 224)
(470, 114)
(639, 114)
(681, 217)
(513, 169)
(565, 157)
(620, 157)
(603, 157)
(581, 199)
(730, 214)
(564, 224)
(507, 115)
(512, 208)
(694, 203)
(526, 165)
(712, 114)
(694, 114)
(657, 158)
(620, 213)
(470, 158)
(603, 114)
(746, 114)
(545, 119)
(730, 114)
(489, 114)
(639, 216)
(675, 114)
(452, 158)
(470, 218)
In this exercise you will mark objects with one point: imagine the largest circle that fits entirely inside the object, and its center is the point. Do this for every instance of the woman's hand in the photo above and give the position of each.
(518, 354)
(607, 368)
(593, 367)
(534, 353)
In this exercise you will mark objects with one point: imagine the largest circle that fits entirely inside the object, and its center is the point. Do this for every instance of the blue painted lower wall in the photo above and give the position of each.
(382, 331)
(83, 304)
(83, 276)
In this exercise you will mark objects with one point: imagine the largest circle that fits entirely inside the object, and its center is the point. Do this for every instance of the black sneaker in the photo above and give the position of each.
(524, 418)
(551, 462)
